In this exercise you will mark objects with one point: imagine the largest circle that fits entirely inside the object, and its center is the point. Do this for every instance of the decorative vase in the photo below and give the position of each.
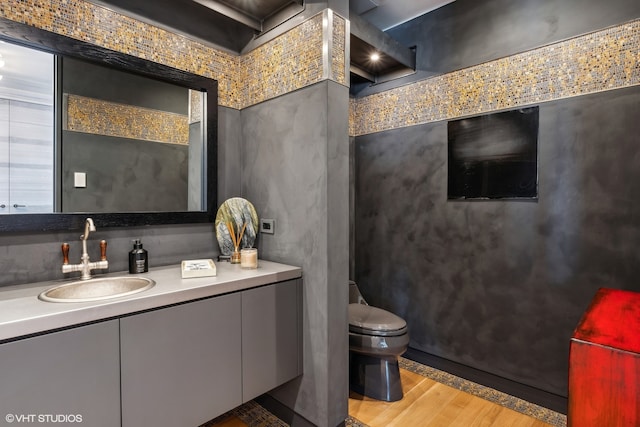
(235, 256)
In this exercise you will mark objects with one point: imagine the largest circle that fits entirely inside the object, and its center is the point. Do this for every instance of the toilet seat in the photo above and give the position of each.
(368, 320)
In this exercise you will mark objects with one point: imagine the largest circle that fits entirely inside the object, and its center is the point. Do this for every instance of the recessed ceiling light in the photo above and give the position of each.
(375, 56)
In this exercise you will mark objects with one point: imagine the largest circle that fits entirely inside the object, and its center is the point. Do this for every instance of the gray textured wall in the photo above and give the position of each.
(352, 207)
(295, 170)
(35, 257)
(470, 32)
(500, 285)
(124, 175)
(229, 153)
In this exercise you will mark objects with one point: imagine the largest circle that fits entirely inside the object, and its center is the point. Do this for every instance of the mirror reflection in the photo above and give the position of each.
(26, 130)
(104, 141)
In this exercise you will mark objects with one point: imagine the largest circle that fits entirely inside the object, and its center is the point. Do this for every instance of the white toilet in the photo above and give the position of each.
(376, 339)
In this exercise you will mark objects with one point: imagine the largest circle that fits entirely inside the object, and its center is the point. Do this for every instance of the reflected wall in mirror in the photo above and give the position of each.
(129, 143)
(135, 141)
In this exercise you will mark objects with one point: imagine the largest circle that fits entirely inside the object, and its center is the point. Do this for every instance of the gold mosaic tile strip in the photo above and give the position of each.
(599, 61)
(94, 24)
(195, 106)
(338, 64)
(289, 62)
(95, 116)
(354, 118)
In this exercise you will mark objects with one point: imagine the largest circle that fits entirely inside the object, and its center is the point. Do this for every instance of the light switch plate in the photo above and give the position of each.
(267, 226)
(79, 179)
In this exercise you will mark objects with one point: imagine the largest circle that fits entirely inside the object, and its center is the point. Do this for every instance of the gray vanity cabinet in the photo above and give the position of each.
(271, 337)
(181, 365)
(66, 377)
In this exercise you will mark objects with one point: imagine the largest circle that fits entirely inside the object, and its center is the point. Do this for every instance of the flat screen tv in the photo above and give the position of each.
(494, 156)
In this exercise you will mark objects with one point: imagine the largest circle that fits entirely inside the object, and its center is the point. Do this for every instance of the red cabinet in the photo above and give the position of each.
(604, 363)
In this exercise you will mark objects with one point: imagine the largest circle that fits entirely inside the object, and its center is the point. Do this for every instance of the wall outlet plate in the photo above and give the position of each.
(79, 180)
(267, 226)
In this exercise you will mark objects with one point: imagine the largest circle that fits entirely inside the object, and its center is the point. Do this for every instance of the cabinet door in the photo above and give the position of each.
(67, 377)
(181, 364)
(271, 337)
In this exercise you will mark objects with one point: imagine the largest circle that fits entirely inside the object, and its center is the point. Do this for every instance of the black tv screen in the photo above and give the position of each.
(494, 156)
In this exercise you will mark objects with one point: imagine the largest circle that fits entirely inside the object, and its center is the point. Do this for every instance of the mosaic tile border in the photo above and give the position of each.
(98, 117)
(599, 61)
(252, 414)
(97, 25)
(352, 422)
(339, 70)
(538, 412)
(287, 63)
(195, 106)
(296, 59)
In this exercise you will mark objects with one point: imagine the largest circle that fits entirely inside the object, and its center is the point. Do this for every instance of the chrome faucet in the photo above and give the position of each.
(85, 266)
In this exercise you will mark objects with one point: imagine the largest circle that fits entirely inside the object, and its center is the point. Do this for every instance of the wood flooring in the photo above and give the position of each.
(426, 403)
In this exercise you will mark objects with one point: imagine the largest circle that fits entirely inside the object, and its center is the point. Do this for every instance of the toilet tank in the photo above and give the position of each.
(355, 297)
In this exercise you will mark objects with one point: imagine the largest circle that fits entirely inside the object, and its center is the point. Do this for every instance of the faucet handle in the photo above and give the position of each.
(65, 253)
(103, 250)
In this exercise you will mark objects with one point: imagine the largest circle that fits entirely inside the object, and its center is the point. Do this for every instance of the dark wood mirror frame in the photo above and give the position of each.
(61, 45)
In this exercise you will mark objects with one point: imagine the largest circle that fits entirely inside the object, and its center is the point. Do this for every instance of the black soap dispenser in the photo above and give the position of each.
(138, 259)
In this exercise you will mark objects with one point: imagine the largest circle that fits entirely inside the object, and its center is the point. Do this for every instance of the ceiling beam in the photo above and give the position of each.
(231, 13)
(382, 41)
(362, 73)
(282, 15)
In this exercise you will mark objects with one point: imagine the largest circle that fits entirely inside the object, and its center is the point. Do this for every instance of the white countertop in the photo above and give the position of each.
(22, 313)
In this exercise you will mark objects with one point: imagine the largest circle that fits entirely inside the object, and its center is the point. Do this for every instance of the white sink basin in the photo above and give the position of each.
(96, 289)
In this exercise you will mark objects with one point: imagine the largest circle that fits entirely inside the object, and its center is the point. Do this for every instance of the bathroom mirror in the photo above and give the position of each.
(204, 164)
